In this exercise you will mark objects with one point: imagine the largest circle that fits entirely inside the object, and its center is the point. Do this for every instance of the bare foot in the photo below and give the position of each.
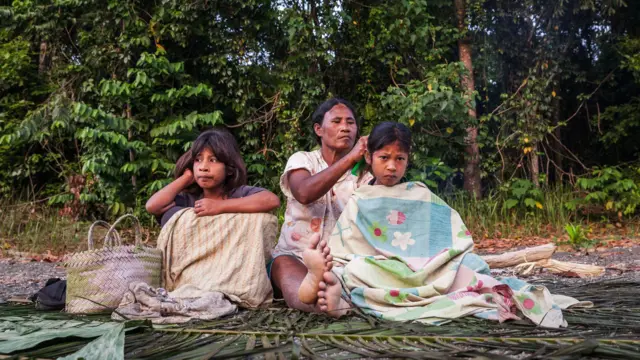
(330, 298)
(317, 260)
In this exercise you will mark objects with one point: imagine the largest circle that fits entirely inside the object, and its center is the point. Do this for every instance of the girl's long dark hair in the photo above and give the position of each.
(387, 133)
(226, 149)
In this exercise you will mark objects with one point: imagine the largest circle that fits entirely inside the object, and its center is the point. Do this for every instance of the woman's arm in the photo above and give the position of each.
(307, 188)
(163, 199)
(264, 201)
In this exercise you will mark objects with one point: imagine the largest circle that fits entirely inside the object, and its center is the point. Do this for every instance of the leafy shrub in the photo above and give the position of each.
(429, 170)
(578, 237)
(613, 188)
(522, 194)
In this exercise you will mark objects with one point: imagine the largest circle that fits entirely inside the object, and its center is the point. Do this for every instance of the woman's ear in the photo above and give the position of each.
(317, 128)
(367, 157)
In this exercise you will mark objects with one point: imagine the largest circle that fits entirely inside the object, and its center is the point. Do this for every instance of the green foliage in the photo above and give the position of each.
(490, 218)
(578, 237)
(622, 121)
(614, 189)
(99, 99)
(522, 194)
(15, 62)
(24, 226)
(630, 50)
(429, 171)
(142, 80)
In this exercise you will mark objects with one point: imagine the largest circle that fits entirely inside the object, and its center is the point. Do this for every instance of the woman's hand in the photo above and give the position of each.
(307, 188)
(359, 149)
(209, 207)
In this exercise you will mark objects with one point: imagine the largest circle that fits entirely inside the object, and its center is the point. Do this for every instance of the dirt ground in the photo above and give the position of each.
(21, 277)
(606, 257)
(619, 263)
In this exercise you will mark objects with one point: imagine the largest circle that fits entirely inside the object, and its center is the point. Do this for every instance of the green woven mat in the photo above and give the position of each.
(610, 330)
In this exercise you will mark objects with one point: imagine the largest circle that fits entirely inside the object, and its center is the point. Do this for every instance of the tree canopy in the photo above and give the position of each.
(98, 99)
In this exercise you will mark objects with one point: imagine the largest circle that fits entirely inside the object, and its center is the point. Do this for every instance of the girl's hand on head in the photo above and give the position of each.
(188, 175)
(208, 207)
(359, 148)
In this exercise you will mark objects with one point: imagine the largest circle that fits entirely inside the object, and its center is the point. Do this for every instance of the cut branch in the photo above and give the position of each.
(514, 258)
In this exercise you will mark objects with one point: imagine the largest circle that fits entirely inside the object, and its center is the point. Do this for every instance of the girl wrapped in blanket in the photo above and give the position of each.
(216, 233)
(401, 253)
(388, 148)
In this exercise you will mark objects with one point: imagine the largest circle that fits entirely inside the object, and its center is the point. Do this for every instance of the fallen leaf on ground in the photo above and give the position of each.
(49, 257)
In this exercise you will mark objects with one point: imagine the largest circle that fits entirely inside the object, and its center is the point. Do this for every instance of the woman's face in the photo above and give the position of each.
(388, 164)
(338, 130)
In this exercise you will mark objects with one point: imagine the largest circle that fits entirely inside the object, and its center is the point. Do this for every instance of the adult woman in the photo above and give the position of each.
(317, 185)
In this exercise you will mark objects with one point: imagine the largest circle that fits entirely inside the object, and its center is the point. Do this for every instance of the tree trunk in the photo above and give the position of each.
(534, 165)
(132, 156)
(42, 63)
(472, 167)
(558, 134)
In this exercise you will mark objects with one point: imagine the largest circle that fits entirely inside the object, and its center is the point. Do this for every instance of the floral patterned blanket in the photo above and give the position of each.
(403, 254)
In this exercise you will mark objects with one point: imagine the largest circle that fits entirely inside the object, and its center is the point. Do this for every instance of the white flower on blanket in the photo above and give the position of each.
(402, 240)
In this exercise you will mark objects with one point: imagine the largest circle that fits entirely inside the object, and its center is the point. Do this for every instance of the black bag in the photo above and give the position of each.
(51, 296)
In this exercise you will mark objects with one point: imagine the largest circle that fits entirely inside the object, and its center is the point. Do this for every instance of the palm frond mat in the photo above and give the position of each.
(611, 330)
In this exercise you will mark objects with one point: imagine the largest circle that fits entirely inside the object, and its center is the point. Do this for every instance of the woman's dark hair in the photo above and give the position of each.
(387, 133)
(318, 115)
(225, 147)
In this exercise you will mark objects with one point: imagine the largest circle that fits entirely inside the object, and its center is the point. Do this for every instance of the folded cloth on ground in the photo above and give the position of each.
(403, 254)
(226, 253)
(179, 306)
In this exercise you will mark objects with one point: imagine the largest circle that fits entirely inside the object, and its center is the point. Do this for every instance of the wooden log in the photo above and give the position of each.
(514, 258)
(571, 269)
(561, 268)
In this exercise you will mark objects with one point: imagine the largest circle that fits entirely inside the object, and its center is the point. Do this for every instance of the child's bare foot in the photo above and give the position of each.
(317, 260)
(330, 296)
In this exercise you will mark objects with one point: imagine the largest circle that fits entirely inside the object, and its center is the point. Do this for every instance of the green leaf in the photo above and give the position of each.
(510, 203)
(519, 192)
(530, 203)
(115, 208)
(109, 346)
(50, 330)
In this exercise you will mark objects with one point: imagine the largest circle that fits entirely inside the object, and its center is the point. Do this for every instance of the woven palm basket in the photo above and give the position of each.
(98, 278)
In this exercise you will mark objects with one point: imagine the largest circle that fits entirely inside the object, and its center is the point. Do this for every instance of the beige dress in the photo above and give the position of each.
(301, 221)
(226, 253)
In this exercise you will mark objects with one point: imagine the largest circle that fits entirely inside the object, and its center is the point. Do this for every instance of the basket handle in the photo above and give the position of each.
(118, 240)
(109, 239)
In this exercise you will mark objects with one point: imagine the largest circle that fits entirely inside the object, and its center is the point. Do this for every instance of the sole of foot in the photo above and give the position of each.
(317, 260)
(330, 298)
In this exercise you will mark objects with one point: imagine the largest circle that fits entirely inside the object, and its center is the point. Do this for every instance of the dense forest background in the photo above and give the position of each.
(521, 110)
